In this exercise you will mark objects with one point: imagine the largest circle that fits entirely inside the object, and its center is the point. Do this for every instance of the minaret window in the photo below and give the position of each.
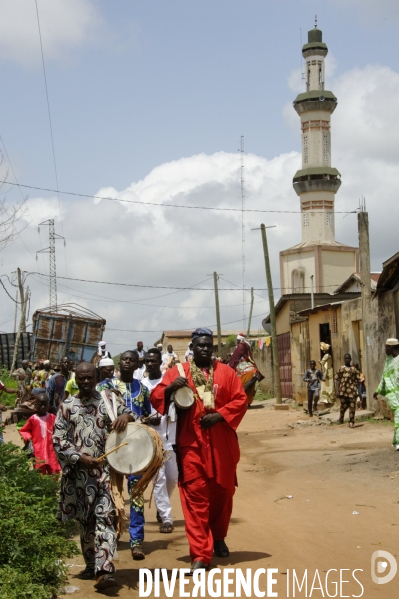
(306, 220)
(305, 149)
(326, 148)
(329, 219)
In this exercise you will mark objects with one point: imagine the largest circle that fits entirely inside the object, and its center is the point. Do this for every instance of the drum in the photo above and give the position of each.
(137, 455)
(184, 398)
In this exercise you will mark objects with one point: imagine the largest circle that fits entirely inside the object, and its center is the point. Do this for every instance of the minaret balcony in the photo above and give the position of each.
(315, 99)
(317, 179)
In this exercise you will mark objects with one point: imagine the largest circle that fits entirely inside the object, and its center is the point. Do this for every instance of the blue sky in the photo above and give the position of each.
(136, 86)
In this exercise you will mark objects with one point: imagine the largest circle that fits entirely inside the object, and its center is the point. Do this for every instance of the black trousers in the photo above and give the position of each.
(313, 398)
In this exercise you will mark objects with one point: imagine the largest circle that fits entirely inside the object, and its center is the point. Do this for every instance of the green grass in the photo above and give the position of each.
(261, 395)
(5, 398)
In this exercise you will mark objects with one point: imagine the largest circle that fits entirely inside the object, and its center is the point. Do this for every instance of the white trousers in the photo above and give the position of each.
(164, 487)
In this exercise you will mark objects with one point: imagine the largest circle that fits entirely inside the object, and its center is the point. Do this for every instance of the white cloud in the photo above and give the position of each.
(165, 246)
(64, 26)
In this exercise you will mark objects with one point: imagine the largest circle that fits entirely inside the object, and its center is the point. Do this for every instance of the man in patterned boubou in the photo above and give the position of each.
(347, 379)
(80, 432)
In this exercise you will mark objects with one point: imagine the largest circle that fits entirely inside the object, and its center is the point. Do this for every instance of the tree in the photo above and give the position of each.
(10, 214)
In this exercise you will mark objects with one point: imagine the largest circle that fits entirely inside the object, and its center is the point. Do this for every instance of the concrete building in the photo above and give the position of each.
(318, 255)
(342, 318)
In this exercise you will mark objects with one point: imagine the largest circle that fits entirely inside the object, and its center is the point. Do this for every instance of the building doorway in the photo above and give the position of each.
(325, 336)
(284, 356)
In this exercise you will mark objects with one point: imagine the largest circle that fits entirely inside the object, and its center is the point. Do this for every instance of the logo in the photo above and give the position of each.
(381, 559)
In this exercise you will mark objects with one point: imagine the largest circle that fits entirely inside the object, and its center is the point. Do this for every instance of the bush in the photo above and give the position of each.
(8, 381)
(33, 542)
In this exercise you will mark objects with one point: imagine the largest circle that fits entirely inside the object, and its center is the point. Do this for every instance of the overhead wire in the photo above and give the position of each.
(100, 298)
(215, 208)
(51, 130)
(23, 199)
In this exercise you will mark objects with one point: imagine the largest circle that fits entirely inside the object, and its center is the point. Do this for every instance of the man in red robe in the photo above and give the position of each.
(207, 446)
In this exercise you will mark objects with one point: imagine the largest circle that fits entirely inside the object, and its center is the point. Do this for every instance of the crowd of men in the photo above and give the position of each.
(71, 424)
(73, 418)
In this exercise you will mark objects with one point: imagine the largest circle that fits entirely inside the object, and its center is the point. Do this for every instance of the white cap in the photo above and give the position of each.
(240, 338)
(106, 362)
(46, 362)
(392, 341)
(159, 346)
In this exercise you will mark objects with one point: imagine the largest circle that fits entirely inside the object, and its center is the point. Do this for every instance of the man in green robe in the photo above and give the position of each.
(389, 384)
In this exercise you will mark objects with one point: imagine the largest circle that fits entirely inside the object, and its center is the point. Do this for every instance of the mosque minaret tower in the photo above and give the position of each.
(316, 184)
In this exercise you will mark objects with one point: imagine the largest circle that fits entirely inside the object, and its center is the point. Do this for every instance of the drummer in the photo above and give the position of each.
(207, 446)
(81, 428)
(166, 479)
(136, 398)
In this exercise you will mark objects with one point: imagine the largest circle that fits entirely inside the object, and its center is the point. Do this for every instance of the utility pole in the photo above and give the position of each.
(215, 283)
(16, 311)
(51, 251)
(250, 311)
(22, 323)
(22, 296)
(276, 363)
(364, 254)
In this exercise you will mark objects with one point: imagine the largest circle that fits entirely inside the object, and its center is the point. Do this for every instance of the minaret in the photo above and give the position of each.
(316, 183)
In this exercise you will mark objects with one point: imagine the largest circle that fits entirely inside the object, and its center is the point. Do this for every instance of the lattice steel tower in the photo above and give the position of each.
(51, 251)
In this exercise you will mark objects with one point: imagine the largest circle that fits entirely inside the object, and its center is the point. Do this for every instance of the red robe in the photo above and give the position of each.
(215, 449)
(207, 458)
(39, 429)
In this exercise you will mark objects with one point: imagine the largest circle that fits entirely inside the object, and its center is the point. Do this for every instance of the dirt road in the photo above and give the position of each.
(330, 472)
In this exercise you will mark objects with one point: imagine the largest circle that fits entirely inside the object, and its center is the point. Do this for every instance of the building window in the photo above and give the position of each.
(305, 149)
(326, 148)
(329, 219)
(298, 280)
(306, 220)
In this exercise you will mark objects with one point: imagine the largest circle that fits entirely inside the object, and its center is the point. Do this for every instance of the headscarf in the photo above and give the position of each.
(240, 337)
(324, 346)
(102, 346)
(201, 333)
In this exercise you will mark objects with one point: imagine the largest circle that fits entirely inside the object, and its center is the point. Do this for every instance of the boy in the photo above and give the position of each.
(39, 430)
(312, 378)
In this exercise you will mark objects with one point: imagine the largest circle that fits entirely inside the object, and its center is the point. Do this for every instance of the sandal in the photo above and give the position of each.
(221, 550)
(86, 574)
(106, 581)
(197, 565)
(167, 527)
(137, 553)
(351, 425)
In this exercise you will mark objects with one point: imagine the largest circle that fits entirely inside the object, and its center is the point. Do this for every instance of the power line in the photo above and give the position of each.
(101, 298)
(94, 197)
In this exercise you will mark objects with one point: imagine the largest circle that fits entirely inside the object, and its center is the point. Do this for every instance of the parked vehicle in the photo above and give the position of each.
(73, 331)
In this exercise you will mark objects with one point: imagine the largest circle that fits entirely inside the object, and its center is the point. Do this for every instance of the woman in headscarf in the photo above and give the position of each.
(327, 393)
(243, 363)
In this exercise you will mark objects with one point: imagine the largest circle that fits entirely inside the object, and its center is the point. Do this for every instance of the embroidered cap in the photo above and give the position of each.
(392, 341)
(201, 333)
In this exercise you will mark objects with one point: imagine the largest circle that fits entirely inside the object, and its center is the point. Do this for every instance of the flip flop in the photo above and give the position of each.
(220, 549)
(86, 574)
(106, 581)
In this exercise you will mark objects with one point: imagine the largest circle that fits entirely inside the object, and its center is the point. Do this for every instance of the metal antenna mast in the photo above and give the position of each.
(244, 295)
(51, 250)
